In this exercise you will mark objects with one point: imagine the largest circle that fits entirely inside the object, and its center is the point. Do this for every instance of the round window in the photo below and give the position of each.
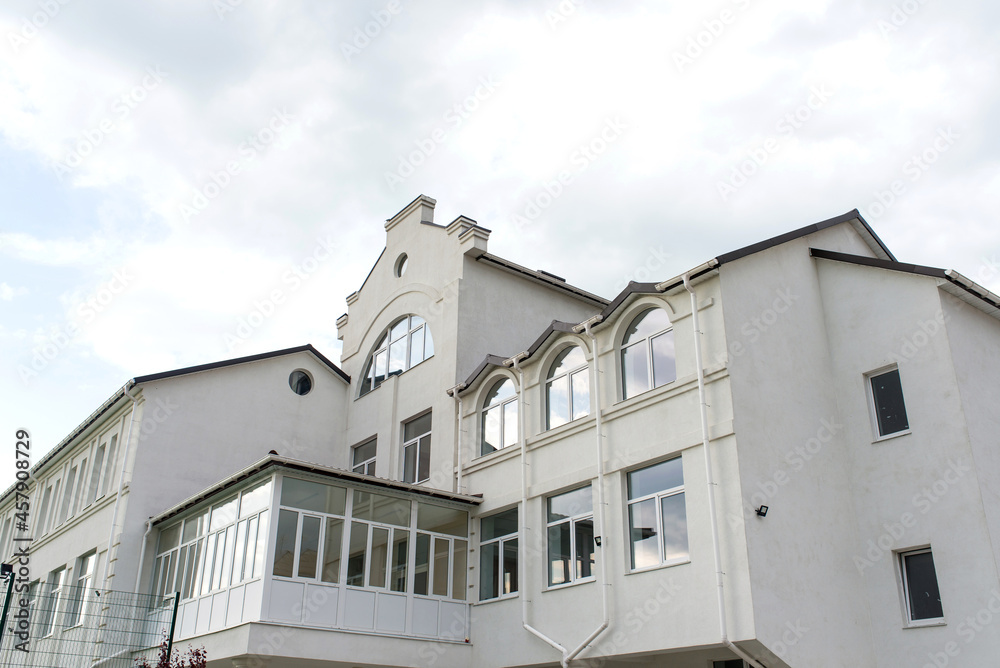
(401, 263)
(300, 382)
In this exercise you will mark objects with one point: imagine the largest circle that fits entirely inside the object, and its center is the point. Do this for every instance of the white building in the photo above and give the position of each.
(479, 487)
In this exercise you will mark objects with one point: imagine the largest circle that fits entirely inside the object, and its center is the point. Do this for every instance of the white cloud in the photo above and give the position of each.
(8, 293)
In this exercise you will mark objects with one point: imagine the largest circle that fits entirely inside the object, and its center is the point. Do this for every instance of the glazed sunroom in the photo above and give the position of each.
(288, 542)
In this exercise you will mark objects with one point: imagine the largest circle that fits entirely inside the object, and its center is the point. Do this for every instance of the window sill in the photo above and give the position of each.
(505, 597)
(889, 437)
(658, 567)
(923, 624)
(573, 583)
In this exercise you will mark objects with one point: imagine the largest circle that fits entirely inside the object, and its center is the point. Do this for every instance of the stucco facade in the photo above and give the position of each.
(515, 471)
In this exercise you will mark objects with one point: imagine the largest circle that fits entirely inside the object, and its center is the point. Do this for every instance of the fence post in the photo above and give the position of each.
(6, 602)
(173, 624)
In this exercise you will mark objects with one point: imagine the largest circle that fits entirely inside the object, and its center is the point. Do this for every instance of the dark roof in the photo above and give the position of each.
(542, 277)
(307, 348)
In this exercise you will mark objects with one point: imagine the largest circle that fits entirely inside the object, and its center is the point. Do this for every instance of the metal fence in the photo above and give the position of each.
(80, 627)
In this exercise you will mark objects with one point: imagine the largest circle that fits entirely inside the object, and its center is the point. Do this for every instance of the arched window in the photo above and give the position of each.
(648, 353)
(499, 417)
(405, 344)
(567, 390)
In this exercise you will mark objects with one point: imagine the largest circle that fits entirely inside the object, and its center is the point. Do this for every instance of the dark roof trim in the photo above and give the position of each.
(307, 348)
(277, 461)
(542, 278)
(370, 272)
(965, 285)
(866, 231)
(632, 288)
(488, 361)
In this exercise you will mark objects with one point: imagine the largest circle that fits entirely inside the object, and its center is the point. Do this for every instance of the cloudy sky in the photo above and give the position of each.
(166, 165)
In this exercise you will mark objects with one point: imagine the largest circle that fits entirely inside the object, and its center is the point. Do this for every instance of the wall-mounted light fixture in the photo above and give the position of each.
(597, 540)
(761, 512)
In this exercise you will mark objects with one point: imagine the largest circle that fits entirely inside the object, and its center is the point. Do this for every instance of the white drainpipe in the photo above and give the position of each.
(711, 482)
(600, 497)
(142, 554)
(454, 392)
(523, 537)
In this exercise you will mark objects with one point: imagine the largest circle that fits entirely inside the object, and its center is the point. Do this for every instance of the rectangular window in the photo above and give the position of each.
(76, 607)
(363, 458)
(417, 449)
(49, 609)
(93, 492)
(920, 587)
(657, 515)
(109, 469)
(66, 509)
(498, 555)
(887, 403)
(570, 524)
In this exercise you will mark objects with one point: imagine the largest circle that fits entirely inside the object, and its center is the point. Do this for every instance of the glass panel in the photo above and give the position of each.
(410, 463)
(284, 546)
(191, 570)
(584, 548)
(197, 565)
(442, 520)
(397, 574)
(358, 547)
(428, 343)
(399, 329)
(422, 564)
(502, 390)
(169, 538)
(195, 526)
(205, 579)
(380, 363)
(510, 566)
(314, 496)
(424, 459)
(922, 586)
(255, 499)
(509, 423)
(227, 562)
(656, 478)
(240, 555)
(459, 580)
(489, 568)
(221, 559)
(578, 502)
(664, 362)
(888, 394)
(417, 427)
(417, 347)
(649, 322)
(675, 535)
(309, 547)
(642, 527)
(168, 579)
(557, 398)
(491, 430)
(223, 514)
(366, 382)
(441, 570)
(397, 356)
(380, 557)
(635, 370)
(559, 553)
(581, 394)
(258, 559)
(365, 451)
(380, 508)
(498, 525)
(568, 359)
(331, 550)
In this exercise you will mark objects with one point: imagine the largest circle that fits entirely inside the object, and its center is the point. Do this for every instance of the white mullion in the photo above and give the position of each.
(298, 539)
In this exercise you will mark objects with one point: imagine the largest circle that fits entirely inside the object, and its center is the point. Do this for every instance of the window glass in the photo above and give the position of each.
(284, 546)
(331, 550)
(499, 418)
(406, 343)
(441, 570)
(169, 538)
(573, 503)
(570, 536)
(223, 514)
(400, 545)
(920, 582)
(358, 548)
(381, 508)
(635, 370)
(650, 322)
(316, 496)
(642, 525)
(380, 557)
(422, 569)
(489, 568)
(417, 427)
(255, 499)
(659, 477)
(557, 396)
(657, 515)
(195, 526)
(647, 357)
(498, 525)
(887, 392)
(460, 572)
(664, 359)
(443, 520)
(581, 394)
(498, 555)
(308, 547)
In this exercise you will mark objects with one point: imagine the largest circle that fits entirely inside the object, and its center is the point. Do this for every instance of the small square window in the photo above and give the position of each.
(920, 587)
(363, 457)
(887, 403)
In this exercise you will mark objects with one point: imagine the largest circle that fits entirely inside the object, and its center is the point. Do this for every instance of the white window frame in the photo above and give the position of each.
(367, 466)
(873, 409)
(55, 587)
(574, 555)
(658, 496)
(647, 343)
(420, 443)
(908, 619)
(414, 323)
(568, 374)
(498, 405)
(501, 542)
(86, 567)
